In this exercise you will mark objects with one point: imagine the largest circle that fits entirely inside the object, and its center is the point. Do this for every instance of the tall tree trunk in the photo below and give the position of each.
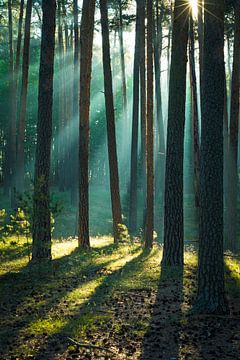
(23, 100)
(86, 44)
(135, 120)
(10, 156)
(111, 134)
(211, 296)
(41, 200)
(142, 54)
(173, 216)
(149, 144)
(195, 117)
(160, 142)
(122, 60)
(169, 41)
(233, 138)
(62, 107)
(74, 128)
(200, 42)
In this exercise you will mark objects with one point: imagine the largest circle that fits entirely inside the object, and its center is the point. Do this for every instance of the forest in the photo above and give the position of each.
(119, 179)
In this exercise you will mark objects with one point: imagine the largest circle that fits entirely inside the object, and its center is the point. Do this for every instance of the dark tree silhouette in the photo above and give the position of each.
(23, 100)
(41, 249)
(211, 296)
(173, 216)
(149, 138)
(233, 138)
(86, 44)
(111, 134)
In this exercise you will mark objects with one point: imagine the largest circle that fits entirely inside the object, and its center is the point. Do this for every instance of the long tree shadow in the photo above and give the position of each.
(33, 291)
(98, 303)
(161, 341)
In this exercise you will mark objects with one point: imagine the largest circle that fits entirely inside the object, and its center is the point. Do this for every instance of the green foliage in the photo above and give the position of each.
(20, 223)
(123, 232)
(4, 228)
(25, 203)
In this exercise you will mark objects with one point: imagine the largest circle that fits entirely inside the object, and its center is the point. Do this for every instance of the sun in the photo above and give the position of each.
(194, 6)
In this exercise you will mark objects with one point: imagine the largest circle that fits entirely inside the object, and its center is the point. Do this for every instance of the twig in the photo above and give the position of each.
(90, 346)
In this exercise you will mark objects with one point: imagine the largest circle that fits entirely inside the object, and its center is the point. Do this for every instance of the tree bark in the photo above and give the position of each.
(23, 100)
(122, 60)
(195, 117)
(173, 216)
(74, 128)
(142, 55)
(62, 107)
(149, 139)
(41, 203)
(135, 126)
(211, 295)
(233, 137)
(200, 42)
(111, 133)
(160, 142)
(86, 45)
(10, 156)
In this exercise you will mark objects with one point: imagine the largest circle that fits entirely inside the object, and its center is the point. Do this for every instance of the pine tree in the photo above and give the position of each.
(86, 44)
(211, 295)
(41, 203)
(173, 208)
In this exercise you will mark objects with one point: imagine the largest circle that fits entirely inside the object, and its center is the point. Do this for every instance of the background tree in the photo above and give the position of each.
(149, 138)
(23, 100)
(111, 134)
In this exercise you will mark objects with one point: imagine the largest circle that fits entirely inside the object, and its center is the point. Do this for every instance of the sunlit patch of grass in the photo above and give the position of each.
(80, 295)
(13, 254)
(233, 276)
(47, 326)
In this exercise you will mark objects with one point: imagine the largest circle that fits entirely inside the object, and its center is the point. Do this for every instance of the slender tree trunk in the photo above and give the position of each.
(160, 142)
(211, 295)
(86, 43)
(41, 200)
(195, 117)
(149, 143)
(74, 128)
(169, 41)
(200, 42)
(142, 96)
(173, 216)
(233, 138)
(135, 120)
(62, 107)
(23, 100)
(122, 60)
(10, 156)
(111, 134)
(18, 54)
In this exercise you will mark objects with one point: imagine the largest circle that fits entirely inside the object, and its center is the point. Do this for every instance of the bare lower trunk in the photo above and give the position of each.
(149, 144)
(195, 117)
(86, 44)
(111, 134)
(173, 204)
(23, 100)
(41, 200)
(233, 138)
(135, 126)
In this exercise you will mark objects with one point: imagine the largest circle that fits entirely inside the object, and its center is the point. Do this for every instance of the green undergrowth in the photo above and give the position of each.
(71, 296)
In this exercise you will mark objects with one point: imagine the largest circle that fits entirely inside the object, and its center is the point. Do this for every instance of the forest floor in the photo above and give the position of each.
(109, 303)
